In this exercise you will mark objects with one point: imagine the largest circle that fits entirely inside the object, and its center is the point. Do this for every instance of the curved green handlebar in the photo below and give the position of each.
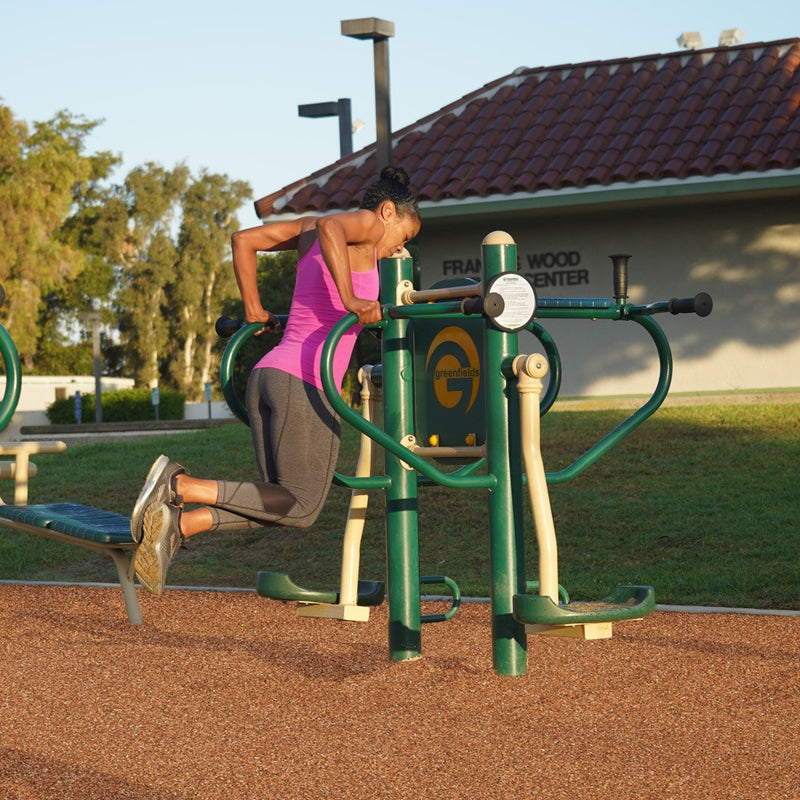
(459, 479)
(554, 360)
(226, 368)
(634, 420)
(8, 405)
(237, 407)
(445, 479)
(378, 434)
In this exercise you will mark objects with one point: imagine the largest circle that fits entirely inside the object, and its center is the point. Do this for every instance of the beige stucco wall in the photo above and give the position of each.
(746, 255)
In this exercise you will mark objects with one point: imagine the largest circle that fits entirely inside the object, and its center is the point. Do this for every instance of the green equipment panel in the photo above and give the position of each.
(448, 382)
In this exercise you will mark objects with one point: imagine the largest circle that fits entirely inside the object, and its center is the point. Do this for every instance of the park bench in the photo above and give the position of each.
(70, 523)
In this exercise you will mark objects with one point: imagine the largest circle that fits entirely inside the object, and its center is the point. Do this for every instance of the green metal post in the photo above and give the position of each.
(506, 529)
(402, 534)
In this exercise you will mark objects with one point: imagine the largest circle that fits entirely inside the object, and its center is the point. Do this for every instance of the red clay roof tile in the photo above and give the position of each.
(700, 113)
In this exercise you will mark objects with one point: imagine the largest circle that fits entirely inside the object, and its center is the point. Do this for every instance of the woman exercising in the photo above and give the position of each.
(295, 430)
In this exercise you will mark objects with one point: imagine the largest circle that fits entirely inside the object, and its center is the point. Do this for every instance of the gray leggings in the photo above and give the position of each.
(296, 441)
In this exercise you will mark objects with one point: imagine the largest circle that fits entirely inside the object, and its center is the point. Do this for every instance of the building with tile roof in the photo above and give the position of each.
(689, 160)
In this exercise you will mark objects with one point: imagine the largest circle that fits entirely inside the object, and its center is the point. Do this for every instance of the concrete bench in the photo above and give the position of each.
(83, 526)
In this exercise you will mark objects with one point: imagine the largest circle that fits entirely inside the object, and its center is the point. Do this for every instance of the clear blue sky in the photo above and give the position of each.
(217, 84)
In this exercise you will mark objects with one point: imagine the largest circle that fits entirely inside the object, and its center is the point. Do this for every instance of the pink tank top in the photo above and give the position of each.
(316, 308)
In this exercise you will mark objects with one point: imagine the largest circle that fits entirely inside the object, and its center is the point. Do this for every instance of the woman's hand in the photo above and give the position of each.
(368, 311)
(271, 322)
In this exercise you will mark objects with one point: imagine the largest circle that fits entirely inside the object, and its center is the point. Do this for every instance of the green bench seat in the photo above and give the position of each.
(87, 527)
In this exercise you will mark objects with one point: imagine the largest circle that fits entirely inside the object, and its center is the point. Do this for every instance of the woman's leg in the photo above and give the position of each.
(296, 442)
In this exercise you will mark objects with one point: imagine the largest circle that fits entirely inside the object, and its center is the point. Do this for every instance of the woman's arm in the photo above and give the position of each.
(336, 233)
(245, 246)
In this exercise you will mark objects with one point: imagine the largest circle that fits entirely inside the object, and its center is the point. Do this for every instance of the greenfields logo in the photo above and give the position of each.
(457, 360)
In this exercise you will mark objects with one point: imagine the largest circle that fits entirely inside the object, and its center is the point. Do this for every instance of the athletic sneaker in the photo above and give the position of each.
(161, 540)
(158, 488)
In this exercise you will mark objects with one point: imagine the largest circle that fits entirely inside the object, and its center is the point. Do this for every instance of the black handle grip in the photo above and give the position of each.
(701, 304)
(227, 326)
(492, 305)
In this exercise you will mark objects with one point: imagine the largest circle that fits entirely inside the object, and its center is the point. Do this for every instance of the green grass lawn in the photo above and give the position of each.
(701, 502)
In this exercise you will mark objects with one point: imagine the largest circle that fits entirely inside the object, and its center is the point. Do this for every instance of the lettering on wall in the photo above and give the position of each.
(457, 266)
(550, 269)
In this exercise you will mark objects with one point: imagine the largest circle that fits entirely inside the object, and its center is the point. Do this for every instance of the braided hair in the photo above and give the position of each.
(392, 185)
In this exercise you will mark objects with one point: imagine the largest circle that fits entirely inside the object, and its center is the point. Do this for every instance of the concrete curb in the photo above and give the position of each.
(763, 612)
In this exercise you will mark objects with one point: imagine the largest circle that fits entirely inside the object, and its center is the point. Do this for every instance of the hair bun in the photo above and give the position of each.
(393, 185)
(397, 174)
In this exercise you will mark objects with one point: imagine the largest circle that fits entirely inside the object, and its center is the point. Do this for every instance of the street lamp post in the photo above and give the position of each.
(94, 318)
(339, 108)
(379, 31)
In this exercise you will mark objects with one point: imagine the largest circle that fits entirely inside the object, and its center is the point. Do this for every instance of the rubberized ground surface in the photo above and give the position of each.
(222, 695)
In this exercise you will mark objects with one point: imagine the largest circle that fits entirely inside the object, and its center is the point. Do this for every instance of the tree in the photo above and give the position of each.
(153, 195)
(98, 228)
(43, 177)
(203, 279)
(150, 255)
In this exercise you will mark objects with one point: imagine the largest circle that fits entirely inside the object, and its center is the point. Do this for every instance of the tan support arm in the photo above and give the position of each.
(22, 451)
(530, 370)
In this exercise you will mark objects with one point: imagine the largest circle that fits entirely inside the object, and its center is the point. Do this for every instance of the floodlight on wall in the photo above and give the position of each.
(380, 31)
(339, 108)
(690, 40)
(730, 36)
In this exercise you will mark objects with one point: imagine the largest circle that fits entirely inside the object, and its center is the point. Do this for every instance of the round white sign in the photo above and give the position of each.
(519, 298)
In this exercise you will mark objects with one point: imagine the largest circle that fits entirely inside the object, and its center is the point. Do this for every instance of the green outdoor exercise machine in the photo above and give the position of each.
(461, 409)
